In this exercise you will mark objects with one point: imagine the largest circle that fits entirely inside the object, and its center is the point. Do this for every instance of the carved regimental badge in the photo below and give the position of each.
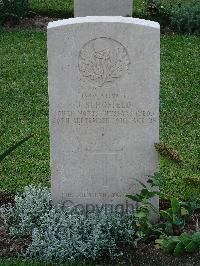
(103, 60)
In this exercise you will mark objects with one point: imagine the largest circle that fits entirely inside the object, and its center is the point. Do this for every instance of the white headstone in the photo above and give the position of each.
(83, 8)
(104, 75)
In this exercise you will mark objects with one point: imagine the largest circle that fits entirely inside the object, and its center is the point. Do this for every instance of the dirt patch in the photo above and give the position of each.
(6, 197)
(38, 21)
(147, 254)
(12, 246)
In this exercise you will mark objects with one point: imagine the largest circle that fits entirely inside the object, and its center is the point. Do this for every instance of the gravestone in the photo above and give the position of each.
(104, 109)
(83, 8)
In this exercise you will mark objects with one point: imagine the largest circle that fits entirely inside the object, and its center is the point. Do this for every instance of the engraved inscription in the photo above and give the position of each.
(88, 194)
(99, 108)
(90, 117)
(103, 60)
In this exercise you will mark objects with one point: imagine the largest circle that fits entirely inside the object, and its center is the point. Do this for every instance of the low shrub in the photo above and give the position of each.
(143, 212)
(60, 234)
(13, 9)
(180, 244)
(186, 18)
(169, 233)
(63, 236)
(176, 217)
(182, 17)
(25, 215)
(158, 10)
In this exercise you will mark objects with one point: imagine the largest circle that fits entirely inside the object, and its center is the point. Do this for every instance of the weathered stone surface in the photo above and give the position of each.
(83, 8)
(104, 108)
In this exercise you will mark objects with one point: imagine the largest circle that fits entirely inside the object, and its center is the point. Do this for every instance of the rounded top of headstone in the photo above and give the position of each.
(118, 19)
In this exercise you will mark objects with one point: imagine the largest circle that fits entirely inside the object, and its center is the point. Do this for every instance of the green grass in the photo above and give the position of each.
(180, 112)
(20, 262)
(24, 110)
(63, 6)
(29, 262)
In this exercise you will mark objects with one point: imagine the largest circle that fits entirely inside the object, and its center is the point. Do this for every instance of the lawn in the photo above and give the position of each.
(24, 108)
(24, 111)
(63, 6)
(21, 262)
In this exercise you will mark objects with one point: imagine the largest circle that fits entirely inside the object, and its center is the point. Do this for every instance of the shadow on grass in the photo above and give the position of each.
(14, 147)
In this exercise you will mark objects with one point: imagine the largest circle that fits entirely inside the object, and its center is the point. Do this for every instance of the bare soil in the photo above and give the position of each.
(148, 255)
(6, 197)
(10, 246)
(37, 22)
